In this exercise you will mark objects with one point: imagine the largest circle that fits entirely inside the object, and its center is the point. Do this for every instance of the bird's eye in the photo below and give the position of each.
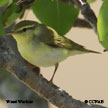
(24, 29)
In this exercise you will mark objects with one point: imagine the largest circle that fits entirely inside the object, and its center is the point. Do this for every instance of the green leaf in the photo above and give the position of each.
(102, 24)
(58, 15)
(91, 1)
(2, 33)
(11, 14)
(5, 2)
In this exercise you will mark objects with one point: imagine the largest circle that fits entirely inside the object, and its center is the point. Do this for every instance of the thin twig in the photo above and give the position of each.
(82, 23)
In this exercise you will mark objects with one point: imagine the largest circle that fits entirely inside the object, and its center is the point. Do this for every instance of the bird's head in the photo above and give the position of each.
(24, 30)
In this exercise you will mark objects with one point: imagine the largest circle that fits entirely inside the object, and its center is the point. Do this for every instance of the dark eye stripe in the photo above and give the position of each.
(25, 29)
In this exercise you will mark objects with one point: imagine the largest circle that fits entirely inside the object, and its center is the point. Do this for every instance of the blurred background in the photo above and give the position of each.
(84, 77)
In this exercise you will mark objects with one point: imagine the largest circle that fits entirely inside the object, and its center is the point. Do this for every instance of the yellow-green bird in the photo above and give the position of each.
(42, 46)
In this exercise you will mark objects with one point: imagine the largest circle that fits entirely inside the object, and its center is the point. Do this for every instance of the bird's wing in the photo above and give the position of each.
(54, 40)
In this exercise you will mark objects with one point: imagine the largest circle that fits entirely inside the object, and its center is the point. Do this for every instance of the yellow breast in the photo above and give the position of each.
(42, 55)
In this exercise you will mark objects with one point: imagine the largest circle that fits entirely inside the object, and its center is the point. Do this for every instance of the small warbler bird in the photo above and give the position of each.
(42, 46)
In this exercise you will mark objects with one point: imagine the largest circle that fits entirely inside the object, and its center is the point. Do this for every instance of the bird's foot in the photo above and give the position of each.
(51, 81)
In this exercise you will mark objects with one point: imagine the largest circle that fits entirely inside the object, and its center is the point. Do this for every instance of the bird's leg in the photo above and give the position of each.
(34, 68)
(56, 67)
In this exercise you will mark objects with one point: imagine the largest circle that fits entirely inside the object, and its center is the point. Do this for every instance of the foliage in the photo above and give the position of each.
(5, 2)
(1, 25)
(90, 1)
(11, 14)
(103, 24)
(54, 13)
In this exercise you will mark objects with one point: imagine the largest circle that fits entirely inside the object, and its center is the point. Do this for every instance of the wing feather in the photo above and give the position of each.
(54, 40)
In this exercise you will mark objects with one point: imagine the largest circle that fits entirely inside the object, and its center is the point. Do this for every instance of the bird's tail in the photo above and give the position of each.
(82, 51)
(91, 51)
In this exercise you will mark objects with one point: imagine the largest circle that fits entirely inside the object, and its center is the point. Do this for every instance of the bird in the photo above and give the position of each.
(42, 46)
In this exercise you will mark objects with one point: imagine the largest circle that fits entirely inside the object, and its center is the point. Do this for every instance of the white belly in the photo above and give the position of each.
(42, 55)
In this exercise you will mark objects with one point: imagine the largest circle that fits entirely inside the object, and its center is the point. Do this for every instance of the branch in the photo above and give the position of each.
(52, 93)
(82, 24)
(86, 11)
